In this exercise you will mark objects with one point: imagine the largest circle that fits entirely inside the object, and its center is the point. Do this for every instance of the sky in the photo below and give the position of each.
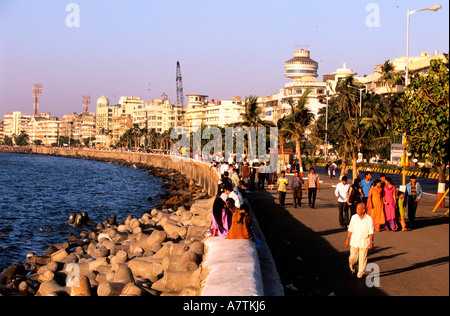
(226, 48)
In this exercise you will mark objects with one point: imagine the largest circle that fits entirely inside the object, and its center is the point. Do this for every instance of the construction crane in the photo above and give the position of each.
(180, 93)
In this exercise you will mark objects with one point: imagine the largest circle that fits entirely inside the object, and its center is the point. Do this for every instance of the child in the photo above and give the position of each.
(401, 209)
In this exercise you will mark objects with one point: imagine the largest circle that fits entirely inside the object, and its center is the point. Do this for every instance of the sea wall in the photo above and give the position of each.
(228, 265)
(193, 170)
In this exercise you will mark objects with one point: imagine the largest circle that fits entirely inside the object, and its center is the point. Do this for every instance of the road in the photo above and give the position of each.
(308, 247)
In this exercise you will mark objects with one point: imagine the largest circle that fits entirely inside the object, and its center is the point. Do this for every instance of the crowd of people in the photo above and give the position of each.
(384, 203)
(372, 205)
(231, 217)
(364, 207)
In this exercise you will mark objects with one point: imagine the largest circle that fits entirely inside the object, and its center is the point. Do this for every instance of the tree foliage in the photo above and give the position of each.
(425, 114)
(21, 139)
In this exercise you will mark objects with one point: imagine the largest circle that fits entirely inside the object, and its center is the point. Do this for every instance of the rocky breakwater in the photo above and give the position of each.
(159, 254)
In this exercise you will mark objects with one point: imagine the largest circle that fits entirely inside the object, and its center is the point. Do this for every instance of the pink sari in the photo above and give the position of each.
(390, 195)
(221, 229)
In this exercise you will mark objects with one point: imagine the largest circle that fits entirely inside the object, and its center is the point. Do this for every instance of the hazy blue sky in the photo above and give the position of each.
(226, 48)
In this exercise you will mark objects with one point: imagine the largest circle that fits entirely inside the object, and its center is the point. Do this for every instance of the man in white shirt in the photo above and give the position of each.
(341, 192)
(229, 193)
(360, 239)
(223, 167)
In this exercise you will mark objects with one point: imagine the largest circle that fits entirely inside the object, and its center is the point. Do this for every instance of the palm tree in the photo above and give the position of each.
(252, 113)
(136, 135)
(283, 134)
(354, 132)
(388, 77)
(151, 137)
(298, 121)
(252, 117)
(348, 99)
(126, 139)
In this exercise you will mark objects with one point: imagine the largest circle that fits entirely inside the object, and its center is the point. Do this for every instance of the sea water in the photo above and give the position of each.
(38, 194)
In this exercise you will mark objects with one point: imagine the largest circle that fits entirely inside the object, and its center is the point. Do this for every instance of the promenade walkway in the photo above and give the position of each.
(308, 247)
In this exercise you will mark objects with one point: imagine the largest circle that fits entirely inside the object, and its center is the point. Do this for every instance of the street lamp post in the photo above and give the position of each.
(360, 100)
(326, 125)
(409, 13)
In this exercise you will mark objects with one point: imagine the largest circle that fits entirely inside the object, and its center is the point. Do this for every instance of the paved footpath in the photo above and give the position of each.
(308, 247)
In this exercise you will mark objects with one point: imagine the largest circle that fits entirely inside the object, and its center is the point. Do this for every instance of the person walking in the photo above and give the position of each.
(366, 184)
(331, 170)
(246, 174)
(312, 187)
(401, 209)
(354, 197)
(341, 192)
(375, 205)
(261, 176)
(360, 238)
(390, 202)
(296, 189)
(282, 184)
(413, 195)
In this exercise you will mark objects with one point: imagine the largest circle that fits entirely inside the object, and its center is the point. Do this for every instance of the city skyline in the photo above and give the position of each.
(237, 48)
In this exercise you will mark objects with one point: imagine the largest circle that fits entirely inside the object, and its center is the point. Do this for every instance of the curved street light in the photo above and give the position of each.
(404, 141)
(434, 8)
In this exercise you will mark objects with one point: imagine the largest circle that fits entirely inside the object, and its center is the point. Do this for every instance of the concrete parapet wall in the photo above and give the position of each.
(233, 268)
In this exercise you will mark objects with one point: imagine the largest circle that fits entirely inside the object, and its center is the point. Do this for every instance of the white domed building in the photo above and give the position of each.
(102, 102)
(105, 114)
(303, 70)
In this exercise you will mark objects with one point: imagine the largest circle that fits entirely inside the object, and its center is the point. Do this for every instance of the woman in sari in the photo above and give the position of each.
(221, 220)
(375, 205)
(241, 226)
(390, 202)
(354, 196)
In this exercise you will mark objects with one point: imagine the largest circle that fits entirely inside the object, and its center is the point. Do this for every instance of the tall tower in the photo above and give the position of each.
(86, 103)
(37, 92)
(301, 67)
(180, 93)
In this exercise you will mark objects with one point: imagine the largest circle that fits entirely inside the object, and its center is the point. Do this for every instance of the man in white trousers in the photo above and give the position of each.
(360, 239)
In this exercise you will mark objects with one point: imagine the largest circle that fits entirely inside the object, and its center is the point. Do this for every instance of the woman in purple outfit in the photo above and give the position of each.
(390, 198)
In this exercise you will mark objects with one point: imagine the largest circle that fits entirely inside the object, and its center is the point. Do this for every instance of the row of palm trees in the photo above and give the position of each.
(137, 137)
(349, 132)
(363, 125)
(351, 129)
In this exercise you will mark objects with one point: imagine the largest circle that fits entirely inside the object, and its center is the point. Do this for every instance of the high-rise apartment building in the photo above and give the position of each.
(16, 122)
(45, 129)
(81, 126)
(105, 113)
(160, 115)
